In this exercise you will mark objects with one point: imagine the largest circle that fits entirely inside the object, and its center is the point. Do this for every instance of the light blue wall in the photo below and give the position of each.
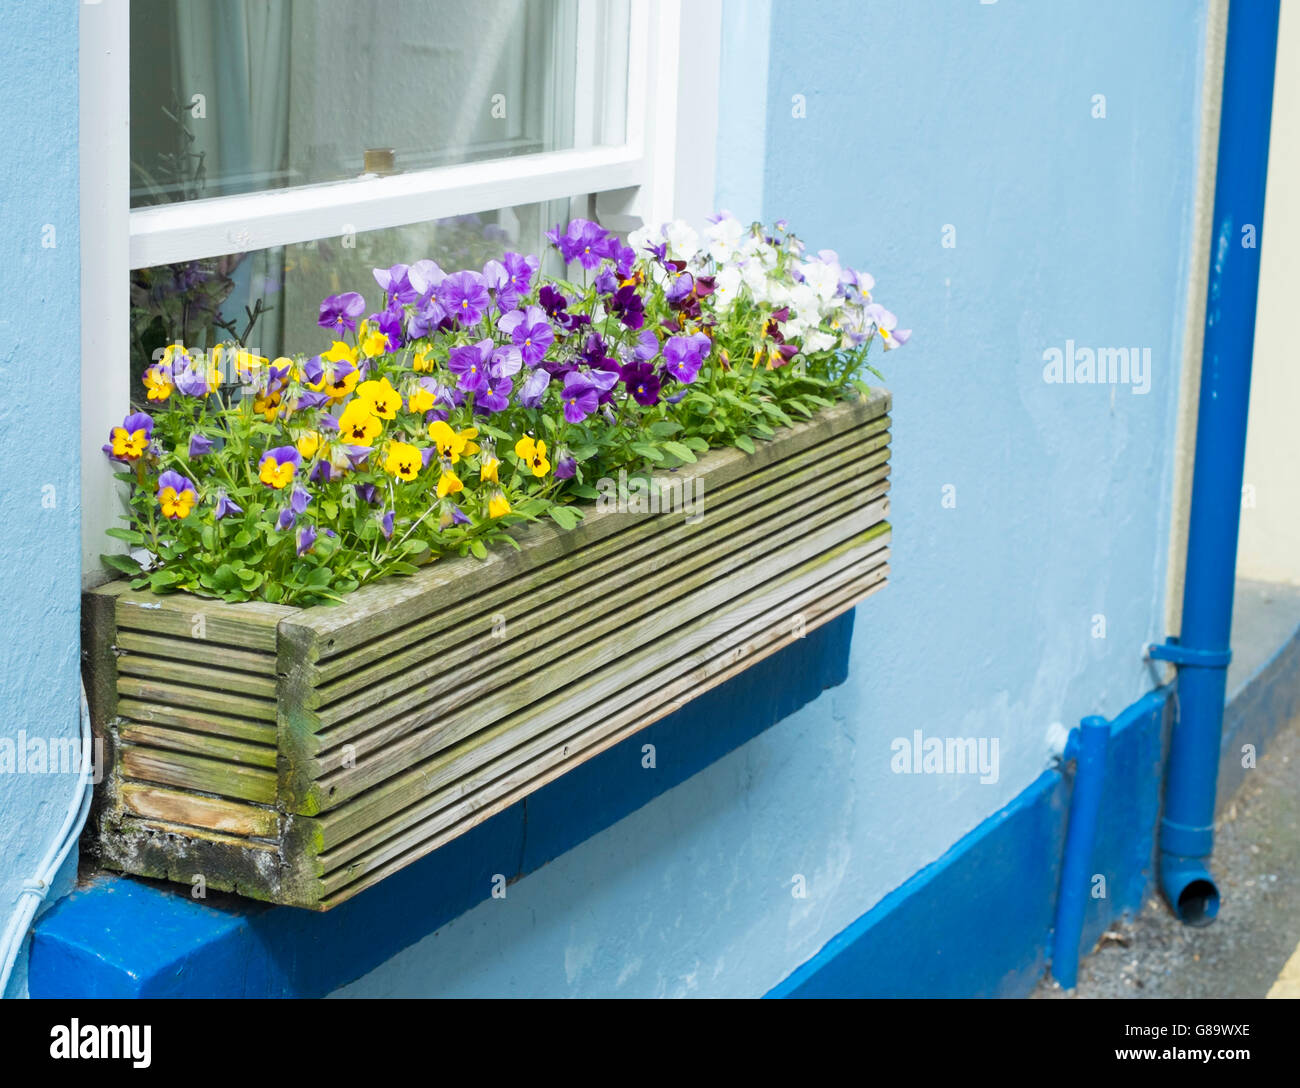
(919, 113)
(40, 353)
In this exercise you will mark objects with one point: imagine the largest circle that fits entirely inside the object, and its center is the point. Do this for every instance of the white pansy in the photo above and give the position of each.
(727, 287)
(816, 340)
(644, 236)
(807, 302)
(822, 277)
(683, 240)
(725, 237)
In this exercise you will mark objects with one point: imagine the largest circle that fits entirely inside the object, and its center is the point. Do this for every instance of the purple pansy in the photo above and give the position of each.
(580, 397)
(395, 284)
(584, 241)
(627, 304)
(339, 312)
(200, 445)
(565, 464)
(534, 389)
(225, 506)
(496, 397)
(510, 278)
(643, 383)
(464, 295)
(306, 539)
(531, 332)
(684, 355)
(470, 363)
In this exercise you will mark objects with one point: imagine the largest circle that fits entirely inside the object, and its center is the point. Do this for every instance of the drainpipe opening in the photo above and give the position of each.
(1190, 890)
(1198, 903)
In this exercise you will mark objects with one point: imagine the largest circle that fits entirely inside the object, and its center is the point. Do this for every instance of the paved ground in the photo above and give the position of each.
(1253, 949)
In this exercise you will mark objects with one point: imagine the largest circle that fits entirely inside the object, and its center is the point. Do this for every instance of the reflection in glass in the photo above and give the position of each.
(269, 300)
(236, 96)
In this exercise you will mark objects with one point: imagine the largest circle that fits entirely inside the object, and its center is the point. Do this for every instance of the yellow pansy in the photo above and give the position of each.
(248, 366)
(176, 504)
(158, 382)
(498, 505)
(358, 425)
(308, 443)
(170, 352)
(533, 454)
(276, 474)
(129, 445)
(372, 341)
(403, 461)
(340, 379)
(488, 469)
(380, 397)
(421, 362)
(448, 483)
(452, 444)
(270, 405)
(420, 400)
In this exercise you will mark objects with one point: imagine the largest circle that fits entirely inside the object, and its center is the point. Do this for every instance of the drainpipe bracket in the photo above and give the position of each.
(1176, 653)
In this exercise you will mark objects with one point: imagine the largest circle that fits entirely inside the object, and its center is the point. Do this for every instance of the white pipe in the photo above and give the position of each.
(35, 889)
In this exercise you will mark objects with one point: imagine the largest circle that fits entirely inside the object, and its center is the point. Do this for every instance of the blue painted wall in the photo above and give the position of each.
(918, 114)
(40, 353)
(1068, 227)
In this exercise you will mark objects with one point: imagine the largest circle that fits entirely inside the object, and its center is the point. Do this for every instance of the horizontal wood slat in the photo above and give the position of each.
(301, 755)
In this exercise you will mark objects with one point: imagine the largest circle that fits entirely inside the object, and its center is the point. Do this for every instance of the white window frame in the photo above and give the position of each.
(664, 170)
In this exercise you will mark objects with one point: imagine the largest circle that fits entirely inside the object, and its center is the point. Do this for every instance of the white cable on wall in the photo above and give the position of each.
(35, 889)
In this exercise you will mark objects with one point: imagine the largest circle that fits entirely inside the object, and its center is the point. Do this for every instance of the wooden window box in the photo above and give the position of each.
(301, 755)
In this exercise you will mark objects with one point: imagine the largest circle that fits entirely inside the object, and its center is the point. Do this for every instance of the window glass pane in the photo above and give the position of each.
(205, 302)
(235, 96)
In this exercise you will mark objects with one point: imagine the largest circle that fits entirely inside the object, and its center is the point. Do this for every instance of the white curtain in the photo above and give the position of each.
(234, 53)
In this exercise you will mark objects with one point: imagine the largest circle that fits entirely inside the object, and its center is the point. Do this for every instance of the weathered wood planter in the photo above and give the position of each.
(302, 755)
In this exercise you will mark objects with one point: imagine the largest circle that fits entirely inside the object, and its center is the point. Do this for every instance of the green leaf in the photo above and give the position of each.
(647, 451)
(478, 548)
(566, 517)
(163, 579)
(129, 535)
(330, 509)
(664, 428)
(681, 451)
(241, 539)
(123, 563)
(744, 442)
(584, 491)
(696, 443)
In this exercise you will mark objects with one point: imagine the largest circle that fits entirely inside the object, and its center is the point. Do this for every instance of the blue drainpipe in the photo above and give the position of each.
(1087, 746)
(1202, 651)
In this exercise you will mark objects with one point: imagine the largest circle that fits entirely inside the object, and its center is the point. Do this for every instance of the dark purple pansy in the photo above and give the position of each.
(642, 382)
